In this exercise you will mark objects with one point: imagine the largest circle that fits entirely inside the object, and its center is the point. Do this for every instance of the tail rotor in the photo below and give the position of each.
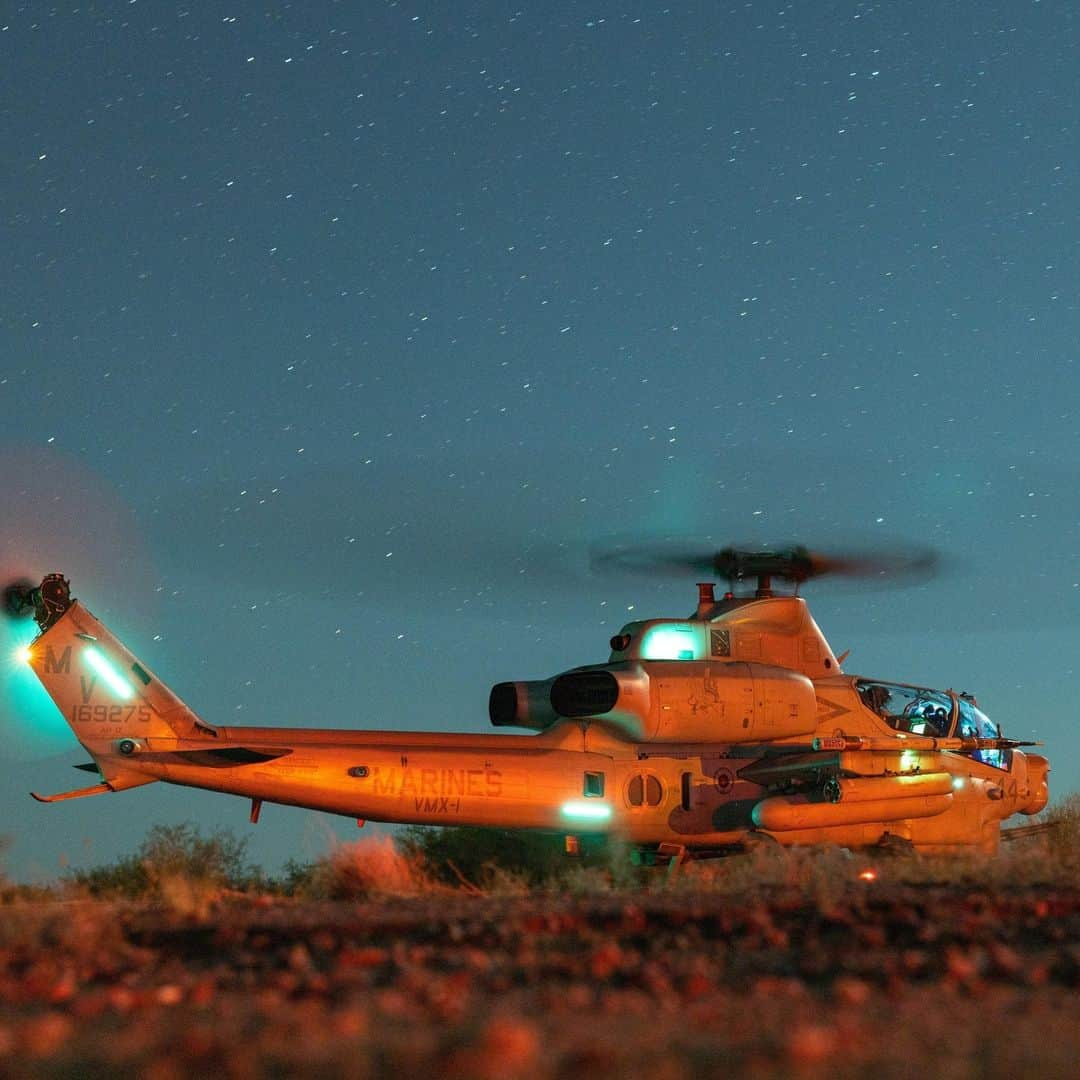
(19, 599)
(58, 515)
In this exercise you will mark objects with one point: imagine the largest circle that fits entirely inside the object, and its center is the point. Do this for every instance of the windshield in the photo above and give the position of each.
(974, 723)
(908, 708)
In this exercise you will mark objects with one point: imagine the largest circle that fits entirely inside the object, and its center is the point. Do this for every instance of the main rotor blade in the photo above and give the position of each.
(671, 557)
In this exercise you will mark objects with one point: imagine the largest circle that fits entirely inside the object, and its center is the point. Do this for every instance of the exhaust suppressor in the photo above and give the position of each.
(522, 704)
(538, 704)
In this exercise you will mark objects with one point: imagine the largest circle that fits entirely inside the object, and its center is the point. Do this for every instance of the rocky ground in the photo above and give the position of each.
(902, 979)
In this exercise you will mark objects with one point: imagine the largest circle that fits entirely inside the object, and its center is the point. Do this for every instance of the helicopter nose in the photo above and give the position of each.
(1038, 790)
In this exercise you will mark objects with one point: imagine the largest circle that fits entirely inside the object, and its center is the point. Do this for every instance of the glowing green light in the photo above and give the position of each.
(909, 761)
(33, 727)
(670, 643)
(958, 783)
(592, 811)
(117, 684)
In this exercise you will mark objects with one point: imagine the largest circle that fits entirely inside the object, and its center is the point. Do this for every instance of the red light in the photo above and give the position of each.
(868, 875)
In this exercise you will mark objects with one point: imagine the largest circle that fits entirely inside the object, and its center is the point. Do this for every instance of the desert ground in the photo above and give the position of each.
(821, 969)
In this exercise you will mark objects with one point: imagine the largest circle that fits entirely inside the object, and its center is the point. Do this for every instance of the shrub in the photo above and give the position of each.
(370, 867)
(173, 854)
(1063, 837)
(489, 858)
(297, 879)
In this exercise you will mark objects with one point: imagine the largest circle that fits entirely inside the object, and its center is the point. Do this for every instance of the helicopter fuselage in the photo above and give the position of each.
(705, 733)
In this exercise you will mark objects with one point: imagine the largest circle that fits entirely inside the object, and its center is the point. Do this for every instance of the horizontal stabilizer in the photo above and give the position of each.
(81, 793)
(117, 783)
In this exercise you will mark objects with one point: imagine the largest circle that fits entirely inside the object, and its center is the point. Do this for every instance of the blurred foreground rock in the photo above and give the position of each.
(946, 981)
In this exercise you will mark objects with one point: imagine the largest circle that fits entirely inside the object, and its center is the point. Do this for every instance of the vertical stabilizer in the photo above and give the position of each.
(104, 693)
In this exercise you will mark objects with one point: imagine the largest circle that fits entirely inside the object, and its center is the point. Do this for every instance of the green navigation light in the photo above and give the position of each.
(670, 643)
(592, 811)
(117, 684)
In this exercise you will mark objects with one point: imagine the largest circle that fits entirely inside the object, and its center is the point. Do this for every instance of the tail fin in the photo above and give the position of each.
(104, 693)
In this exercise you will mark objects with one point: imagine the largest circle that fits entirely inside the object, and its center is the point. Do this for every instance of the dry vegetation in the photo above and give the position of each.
(383, 960)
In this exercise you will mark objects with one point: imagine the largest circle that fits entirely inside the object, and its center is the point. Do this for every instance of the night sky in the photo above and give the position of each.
(334, 334)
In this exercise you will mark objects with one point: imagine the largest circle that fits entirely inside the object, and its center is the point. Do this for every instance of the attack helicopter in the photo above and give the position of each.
(698, 736)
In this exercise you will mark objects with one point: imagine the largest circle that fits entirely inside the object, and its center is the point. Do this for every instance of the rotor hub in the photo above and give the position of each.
(672, 557)
(47, 602)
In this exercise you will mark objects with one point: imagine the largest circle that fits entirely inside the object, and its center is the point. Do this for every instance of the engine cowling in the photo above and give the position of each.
(667, 701)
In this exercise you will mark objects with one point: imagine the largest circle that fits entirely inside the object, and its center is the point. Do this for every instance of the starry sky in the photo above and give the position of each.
(335, 334)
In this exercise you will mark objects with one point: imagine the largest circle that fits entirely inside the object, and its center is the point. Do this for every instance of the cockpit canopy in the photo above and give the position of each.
(936, 713)
(975, 723)
(909, 708)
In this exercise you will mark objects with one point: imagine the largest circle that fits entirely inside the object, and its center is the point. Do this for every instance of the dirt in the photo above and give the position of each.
(942, 981)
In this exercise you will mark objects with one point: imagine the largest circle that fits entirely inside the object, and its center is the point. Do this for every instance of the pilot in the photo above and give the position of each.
(876, 697)
(932, 720)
